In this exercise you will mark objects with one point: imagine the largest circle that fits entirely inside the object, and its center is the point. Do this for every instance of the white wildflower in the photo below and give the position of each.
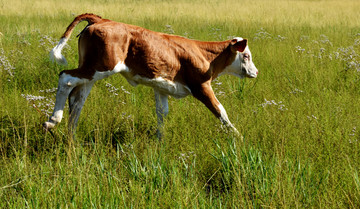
(296, 90)
(299, 49)
(5, 63)
(52, 90)
(169, 29)
(124, 90)
(279, 105)
(303, 38)
(280, 38)
(41, 103)
(312, 117)
(262, 34)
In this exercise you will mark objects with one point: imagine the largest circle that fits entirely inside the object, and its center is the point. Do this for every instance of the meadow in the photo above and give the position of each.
(299, 120)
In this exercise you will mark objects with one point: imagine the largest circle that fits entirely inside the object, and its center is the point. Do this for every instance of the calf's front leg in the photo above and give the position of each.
(206, 95)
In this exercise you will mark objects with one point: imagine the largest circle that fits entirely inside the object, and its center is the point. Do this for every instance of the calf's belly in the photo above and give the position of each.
(174, 89)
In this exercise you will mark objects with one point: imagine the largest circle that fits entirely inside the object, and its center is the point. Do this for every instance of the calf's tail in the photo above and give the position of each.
(55, 53)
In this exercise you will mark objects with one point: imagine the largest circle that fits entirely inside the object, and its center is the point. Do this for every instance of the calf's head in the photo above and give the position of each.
(243, 65)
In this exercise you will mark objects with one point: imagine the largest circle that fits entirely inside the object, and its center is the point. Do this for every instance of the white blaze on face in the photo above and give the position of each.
(247, 64)
(243, 65)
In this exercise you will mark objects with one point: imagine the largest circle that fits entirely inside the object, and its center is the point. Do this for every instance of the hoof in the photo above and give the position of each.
(159, 135)
(48, 125)
(236, 132)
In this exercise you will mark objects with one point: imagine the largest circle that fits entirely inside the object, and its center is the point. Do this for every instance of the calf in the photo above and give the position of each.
(171, 65)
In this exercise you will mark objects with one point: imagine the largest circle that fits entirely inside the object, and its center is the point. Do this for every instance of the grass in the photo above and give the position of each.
(299, 119)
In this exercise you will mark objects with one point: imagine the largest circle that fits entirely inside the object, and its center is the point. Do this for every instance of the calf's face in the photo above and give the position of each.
(243, 65)
(247, 65)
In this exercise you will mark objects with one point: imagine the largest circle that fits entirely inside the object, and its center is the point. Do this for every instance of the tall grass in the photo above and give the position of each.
(299, 119)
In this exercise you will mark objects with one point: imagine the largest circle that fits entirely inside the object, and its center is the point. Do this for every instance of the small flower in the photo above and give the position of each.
(280, 38)
(299, 49)
(303, 38)
(296, 90)
(41, 103)
(262, 34)
(169, 29)
(312, 117)
(353, 131)
(5, 63)
(52, 90)
(279, 104)
(112, 89)
(357, 42)
(220, 93)
(325, 40)
(124, 90)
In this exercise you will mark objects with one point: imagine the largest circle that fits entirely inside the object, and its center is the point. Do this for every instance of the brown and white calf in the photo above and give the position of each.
(171, 65)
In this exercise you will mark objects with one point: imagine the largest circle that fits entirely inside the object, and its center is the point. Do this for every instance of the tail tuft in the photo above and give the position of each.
(55, 54)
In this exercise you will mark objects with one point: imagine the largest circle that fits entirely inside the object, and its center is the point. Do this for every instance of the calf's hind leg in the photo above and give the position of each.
(67, 82)
(77, 99)
(162, 109)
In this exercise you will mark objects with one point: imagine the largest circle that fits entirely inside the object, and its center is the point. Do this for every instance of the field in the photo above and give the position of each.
(299, 120)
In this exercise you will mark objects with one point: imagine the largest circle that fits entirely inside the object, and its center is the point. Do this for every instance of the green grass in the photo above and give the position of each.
(299, 119)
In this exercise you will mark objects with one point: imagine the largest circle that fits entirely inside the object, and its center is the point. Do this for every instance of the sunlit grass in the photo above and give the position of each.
(299, 119)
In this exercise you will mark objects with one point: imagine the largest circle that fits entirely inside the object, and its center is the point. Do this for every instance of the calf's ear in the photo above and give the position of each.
(239, 45)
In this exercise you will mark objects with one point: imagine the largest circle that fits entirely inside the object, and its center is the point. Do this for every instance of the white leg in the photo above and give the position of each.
(77, 99)
(66, 84)
(225, 119)
(162, 109)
